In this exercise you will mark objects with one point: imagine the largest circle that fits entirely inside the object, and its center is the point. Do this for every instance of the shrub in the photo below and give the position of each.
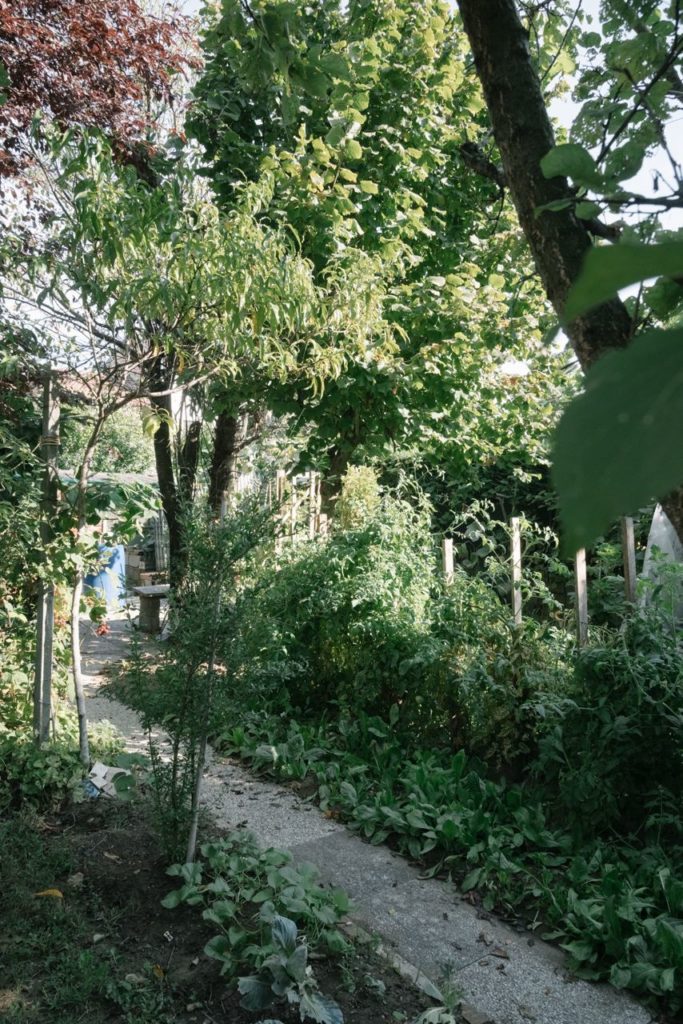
(342, 620)
(43, 777)
(363, 621)
(490, 673)
(614, 746)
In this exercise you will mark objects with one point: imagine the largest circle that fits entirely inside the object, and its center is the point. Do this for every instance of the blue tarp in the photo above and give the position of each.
(110, 582)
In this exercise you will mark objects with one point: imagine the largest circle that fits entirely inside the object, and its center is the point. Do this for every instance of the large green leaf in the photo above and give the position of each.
(606, 269)
(572, 161)
(284, 934)
(256, 993)
(619, 444)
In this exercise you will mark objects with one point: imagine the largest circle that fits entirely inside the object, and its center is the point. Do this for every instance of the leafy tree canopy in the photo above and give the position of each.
(90, 64)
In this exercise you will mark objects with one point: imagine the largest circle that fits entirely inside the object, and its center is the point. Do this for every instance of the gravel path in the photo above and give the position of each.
(510, 977)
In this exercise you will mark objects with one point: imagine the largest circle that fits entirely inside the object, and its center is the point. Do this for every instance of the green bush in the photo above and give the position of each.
(490, 673)
(613, 748)
(43, 777)
(363, 621)
(342, 620)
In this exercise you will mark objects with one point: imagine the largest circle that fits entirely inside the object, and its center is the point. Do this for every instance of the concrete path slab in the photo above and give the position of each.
(336, 857)
(508, 976)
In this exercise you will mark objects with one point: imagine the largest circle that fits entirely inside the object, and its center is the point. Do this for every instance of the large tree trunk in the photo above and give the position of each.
(160, 378)
(188, 462)
(331, 481)
(523, 133)
(229, 438)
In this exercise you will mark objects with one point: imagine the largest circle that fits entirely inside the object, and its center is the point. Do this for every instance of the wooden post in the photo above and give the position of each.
(447, 558)
(516, 559)
(581, 597)
(318, 501)
(42, 687)
(280, 480)
(280, 484)
(312, 504)
(628, 544)
(293, 511)
(323, 524)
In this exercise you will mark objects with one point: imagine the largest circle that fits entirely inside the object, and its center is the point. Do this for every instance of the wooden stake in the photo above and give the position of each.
(42, 688)
(312, 504)
(447, 558)
(581, 597)
(281, 512)
(280, 481)
(628, 544)
(516, 547)
(293, 510)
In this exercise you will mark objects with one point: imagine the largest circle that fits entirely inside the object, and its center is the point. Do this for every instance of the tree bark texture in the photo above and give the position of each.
(188, 461)
(524, 134)
(163, 457)
(230, 435)
(331, 481)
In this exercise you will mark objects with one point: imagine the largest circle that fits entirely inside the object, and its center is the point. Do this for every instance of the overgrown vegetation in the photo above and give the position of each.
(543, 777)
(347, 248)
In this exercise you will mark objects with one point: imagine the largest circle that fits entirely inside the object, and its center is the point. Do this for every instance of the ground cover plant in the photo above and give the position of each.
(86, 935)
(613, 903)
(257, 899)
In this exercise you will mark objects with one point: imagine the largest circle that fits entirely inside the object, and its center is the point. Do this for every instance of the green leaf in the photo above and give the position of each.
(619, 976)
(219, 948)
(220, 912)
(470, 880)
(587, 210)
(173, 899)
(257, 994)
(320, 1008)
(336, 133)
(616, 446)
(284, 933)
(449, 828)
(572, 161)
(580, 950)
(296, 964)
(151, 422)
(353, 149)
(606, 269)
(368, 186)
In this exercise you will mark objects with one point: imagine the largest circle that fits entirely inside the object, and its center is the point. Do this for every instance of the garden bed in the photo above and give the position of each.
(86, 938)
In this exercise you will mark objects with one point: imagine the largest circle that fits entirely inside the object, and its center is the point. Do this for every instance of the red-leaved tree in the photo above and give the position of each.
(86, 64)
